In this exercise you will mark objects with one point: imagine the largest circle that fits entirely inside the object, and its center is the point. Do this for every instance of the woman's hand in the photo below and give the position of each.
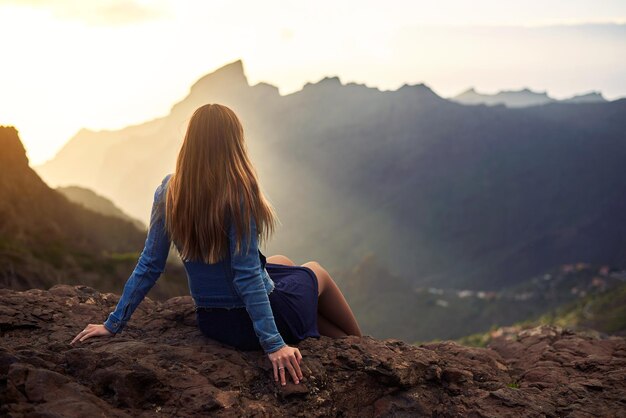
(92, 330)
(286, 358)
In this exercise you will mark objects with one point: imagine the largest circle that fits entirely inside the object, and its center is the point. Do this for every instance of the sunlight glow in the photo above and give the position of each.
(70, 64)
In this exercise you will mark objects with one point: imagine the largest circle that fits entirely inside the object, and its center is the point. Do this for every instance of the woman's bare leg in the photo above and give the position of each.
(327, 328)
(332, 296)
(280, 259)
(331, 302)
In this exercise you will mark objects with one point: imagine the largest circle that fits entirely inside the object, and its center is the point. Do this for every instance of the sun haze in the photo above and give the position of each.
(70, 64)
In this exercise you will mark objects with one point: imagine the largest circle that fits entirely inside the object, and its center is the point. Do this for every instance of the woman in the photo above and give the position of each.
(214, 212)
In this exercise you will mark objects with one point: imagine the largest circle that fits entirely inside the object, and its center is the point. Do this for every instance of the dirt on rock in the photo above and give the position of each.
(161, 365)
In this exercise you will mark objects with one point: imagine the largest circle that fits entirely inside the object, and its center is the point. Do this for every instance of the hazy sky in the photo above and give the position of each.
(69, 64)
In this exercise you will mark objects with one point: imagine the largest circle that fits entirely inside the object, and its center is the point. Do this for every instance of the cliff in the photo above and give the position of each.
(47, 239)
(162, 365)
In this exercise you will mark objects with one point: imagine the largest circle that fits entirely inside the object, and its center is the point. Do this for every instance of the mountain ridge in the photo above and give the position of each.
(97, 203)
(444, 192)
(524, 97)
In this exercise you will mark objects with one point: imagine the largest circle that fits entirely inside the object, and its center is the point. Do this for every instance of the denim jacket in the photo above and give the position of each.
(239, 280)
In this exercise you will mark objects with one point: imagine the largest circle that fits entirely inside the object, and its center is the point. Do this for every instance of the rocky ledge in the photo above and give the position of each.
(161, 365)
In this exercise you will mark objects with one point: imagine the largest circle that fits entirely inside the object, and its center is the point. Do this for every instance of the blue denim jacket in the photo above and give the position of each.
(239, 280)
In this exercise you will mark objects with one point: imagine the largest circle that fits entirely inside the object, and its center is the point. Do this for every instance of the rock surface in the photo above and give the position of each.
(161, 365)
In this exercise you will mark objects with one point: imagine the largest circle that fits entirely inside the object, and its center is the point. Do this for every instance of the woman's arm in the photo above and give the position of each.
(249, 285)
(149, 267)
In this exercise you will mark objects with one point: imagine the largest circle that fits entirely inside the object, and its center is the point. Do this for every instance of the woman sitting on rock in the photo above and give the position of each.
(214, 212)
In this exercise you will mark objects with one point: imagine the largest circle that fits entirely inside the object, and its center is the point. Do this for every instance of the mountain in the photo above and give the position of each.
(604, 312)
(163, 366)
(598, 313)
(509, 98)
(45, 239)
(593, 97)
(446, 195)
(521, 98)
(97, 203)
(388, 306)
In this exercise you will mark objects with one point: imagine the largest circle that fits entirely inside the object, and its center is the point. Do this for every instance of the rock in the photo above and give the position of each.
(162, 365)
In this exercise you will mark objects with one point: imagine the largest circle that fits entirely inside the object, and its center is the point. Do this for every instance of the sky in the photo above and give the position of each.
(107, 64)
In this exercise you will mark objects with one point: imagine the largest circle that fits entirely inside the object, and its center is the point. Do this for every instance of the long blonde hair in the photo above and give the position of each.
(214, 184)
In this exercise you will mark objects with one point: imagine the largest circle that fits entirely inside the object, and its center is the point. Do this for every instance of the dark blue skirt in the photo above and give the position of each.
(293, 302)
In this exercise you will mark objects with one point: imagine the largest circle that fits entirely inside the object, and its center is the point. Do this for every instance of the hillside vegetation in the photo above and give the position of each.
(45, 239)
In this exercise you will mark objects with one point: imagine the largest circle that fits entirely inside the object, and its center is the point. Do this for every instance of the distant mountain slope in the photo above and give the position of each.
(97, 203)
(520, 98)
(597, 313)
(45, 239)
(445, 194)
(593, 97)
(389, 306)
(509, 98)
(604, 312)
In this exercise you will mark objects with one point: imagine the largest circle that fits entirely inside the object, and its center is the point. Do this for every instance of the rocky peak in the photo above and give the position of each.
(229, 75)
(591, 97)
(12, 151)
(421, 89)
(324, 83)
(470, 90)
(525, 91)
(162, 364)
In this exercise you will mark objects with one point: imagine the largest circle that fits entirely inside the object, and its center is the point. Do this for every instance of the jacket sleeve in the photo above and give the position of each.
(149, 267)
(248, 283)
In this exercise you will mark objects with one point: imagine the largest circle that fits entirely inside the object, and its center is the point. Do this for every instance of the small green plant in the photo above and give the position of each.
(128, 256)
(513, 385)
